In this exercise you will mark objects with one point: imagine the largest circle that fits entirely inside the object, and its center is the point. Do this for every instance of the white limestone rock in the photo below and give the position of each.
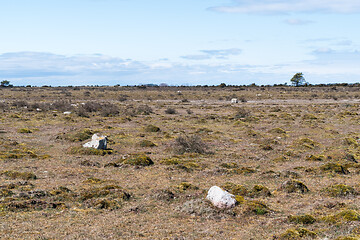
(97, 142)
(220, 198)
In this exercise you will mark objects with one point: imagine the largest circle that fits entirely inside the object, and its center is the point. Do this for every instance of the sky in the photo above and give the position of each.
(178, 42)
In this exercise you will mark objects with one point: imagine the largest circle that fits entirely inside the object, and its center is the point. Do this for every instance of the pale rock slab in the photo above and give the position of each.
(97, 142)
(220, 198)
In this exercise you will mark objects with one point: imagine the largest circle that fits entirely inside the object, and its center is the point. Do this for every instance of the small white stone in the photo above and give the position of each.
(220, 198)
(67, 113)
(97, 142)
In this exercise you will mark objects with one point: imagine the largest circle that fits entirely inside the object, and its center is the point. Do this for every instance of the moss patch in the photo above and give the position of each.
(340, 190)
(17, 175)
(147, 143)
(302, 219)
(24, 130)
(297, 234)
(345, 215)
(151, 128)
(138, 160)
(291, 186)
(334, 168)
(89, 151)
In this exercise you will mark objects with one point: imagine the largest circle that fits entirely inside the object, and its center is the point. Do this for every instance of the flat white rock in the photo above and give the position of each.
(220, 198)
(97, 142)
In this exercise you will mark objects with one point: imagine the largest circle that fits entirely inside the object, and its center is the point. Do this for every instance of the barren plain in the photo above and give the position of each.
(289, 154)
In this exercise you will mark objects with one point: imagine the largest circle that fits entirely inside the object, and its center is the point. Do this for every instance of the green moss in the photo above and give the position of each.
(257, 207)
(351, 141)
(259, 190)
(106, 204)
(80, 136)
(113, 191)
(309, 116)
(147, 143)
(302, 219)
(18, 153)
(297, 234)
(335, 168)
(345, 215)
(278, 131)
(204, 130)
(89, 151)
(182, 187)
(347, 238)
(231, 165)
(292, 185)
(24, 130)
(171, 161)
(152, 128)
(239, 199)
(93, 180)
(234, 168)
(339, 190)
(235, 189)
(16, 175)
(307, 143)
(187, 165)
(290, 234)
(138, 160)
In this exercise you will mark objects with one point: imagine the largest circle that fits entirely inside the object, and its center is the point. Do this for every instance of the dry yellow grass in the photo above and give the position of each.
(310, 135)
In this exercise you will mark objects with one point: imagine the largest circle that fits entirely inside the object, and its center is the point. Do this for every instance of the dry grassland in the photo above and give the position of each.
(290, 155)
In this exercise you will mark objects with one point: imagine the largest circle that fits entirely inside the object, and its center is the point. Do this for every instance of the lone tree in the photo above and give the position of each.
(298, 80)
(5, 83)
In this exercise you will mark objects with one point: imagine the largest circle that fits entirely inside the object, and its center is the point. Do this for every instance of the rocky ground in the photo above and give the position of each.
(288, 155)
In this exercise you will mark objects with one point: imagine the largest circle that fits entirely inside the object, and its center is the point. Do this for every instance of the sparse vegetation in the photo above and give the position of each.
(290, 155)
(190, 144)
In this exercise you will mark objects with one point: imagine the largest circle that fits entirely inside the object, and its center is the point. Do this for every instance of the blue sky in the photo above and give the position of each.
(108, 42)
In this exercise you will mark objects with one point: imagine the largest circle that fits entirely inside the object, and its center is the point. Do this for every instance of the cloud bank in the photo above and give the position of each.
(218, 54)
(290, 6)
(34, 68)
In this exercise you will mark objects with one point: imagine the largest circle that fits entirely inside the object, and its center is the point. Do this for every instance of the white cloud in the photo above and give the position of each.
(290, 6)
(38, 64)
(196, 57)
(51, 69)
(323, 50)
(217, 53)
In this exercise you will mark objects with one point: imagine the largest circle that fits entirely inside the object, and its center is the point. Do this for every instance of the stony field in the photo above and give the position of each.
(289, 154)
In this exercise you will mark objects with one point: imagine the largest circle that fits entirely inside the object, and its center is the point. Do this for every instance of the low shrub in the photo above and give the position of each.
(147, 143)
(170, 111)
(189, 144)
(152, 128)
(291, 186)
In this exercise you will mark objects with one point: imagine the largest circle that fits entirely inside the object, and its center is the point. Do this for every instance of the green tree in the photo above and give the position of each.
(5, 83)
(298, 80)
